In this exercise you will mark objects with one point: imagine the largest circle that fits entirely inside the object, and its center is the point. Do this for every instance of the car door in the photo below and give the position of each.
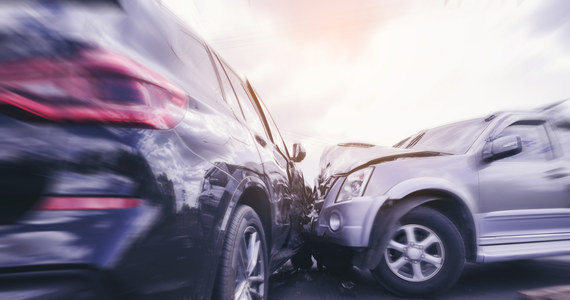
(298, 207)
(274, 164)
(524, 197)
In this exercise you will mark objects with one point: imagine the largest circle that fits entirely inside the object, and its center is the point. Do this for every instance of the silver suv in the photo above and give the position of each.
(483, 190)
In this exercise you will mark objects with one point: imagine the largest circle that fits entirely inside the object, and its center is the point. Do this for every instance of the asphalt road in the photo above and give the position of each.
(502, 281)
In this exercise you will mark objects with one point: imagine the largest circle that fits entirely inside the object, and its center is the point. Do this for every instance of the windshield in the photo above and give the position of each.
(454, 138)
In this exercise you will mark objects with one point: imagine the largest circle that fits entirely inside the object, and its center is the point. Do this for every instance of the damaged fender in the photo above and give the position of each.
(387, 220)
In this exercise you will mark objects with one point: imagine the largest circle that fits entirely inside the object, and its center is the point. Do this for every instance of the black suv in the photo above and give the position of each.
(134, 162)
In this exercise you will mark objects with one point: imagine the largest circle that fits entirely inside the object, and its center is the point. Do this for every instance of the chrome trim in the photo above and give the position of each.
(496, 253)
(526, 214)
(528, 238)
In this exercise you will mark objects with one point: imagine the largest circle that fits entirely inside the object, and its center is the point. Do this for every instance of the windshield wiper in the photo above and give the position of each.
(415, 140)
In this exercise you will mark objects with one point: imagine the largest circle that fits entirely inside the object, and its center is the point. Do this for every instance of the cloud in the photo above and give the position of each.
(548, 17)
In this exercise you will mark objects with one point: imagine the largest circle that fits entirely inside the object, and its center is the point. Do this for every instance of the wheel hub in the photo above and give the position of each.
(414, 253)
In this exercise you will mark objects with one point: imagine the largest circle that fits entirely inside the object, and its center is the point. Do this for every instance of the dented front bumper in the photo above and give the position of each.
(348, 223)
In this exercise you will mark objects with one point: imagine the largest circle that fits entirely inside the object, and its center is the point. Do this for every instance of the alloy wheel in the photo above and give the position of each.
(250, 274)
(415, 253)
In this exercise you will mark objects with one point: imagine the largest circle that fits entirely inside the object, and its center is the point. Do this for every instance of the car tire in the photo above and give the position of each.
(425, 255)
(243, 270)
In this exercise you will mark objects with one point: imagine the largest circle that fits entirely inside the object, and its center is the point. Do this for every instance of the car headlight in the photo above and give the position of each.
(354, 184)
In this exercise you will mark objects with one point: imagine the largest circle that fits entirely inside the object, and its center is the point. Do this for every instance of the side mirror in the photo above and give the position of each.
(299, 152)
(502, 147)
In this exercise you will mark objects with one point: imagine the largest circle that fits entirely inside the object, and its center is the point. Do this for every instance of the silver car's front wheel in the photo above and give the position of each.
(415, 253)
(424, 256)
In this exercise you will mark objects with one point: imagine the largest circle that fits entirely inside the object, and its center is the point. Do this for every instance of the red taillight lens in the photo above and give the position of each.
(92, 87)
(87, 203)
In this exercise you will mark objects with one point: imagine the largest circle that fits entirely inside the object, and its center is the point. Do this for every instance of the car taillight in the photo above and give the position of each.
(92, 86)
(87, 203)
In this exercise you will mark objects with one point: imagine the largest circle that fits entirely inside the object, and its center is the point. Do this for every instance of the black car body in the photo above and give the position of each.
(127, 147)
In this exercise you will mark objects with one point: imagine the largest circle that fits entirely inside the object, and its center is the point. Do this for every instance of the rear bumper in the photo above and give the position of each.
(163, 248)
(90, 237)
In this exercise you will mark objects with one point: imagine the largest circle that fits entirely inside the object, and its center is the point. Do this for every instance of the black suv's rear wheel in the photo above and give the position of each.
(243, 271)
(424, 257)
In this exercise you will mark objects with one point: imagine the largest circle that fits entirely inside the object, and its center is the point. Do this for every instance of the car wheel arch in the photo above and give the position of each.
(256, 198)
(251, 191)
(454, 208)
(432, 185)
(443, 188)
(393, 210)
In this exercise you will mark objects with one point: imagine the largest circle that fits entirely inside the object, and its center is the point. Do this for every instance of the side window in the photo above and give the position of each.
(275, 134)
(228, 90)
(198, 71)
(250, 113)
(535, 141)
(564, 137)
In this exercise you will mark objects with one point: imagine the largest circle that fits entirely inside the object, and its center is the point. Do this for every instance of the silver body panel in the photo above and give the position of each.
(520, 207)
(356, 217)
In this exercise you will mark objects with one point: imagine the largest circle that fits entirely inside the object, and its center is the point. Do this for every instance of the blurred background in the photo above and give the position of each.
(376, 71)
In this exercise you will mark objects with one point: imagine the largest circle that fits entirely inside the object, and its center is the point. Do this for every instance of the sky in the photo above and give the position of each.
(376, 71)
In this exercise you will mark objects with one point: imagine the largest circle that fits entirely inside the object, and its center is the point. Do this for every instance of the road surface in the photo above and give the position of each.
(502, 281)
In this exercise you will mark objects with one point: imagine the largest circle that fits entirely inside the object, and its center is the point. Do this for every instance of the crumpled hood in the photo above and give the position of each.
(341, 159)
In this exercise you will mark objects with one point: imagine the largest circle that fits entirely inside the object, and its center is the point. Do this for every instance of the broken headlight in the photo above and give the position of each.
(354, 184)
